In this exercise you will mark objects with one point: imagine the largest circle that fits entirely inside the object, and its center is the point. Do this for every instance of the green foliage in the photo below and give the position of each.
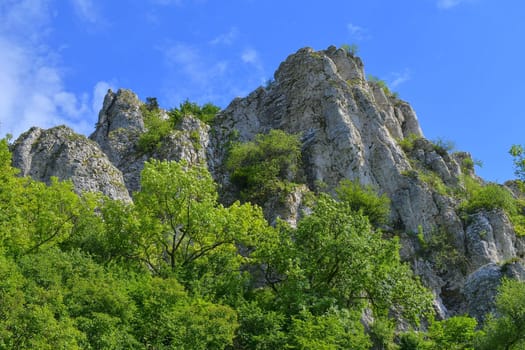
(518, 154)
(205, 113)
(352, 49)
(335, 329)
(489, 197)
(407, 143)
(468, 164)
(382, 333)
(152, 104)
(433, 180)
(165, 272)
(157, 129)
(170, 319)
(455, 333)
(182, 226)
(365, 200)
(506, 328)
(443, 147)
(382, 85)
(334, 258)
(440, 249)
(266, 166)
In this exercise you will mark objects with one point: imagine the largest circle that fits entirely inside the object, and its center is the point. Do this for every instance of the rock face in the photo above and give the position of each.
(355, 129)
(60, 152)
(350, 128)
(120, 125)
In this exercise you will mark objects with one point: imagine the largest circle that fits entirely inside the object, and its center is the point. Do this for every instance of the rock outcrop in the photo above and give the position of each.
(120, 125)
(355, 129)
(350, 128)
(62, 153)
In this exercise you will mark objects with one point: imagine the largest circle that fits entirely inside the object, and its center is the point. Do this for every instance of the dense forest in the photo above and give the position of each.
(176, 269)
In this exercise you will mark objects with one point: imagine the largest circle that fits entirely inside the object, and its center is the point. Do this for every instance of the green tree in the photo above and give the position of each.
(518, 154)
(182, 226)
(168, 318)
(336, 329)
(505, 329)
(352, 49)
(455, 333)
(205, 113)
(266, 166)
(334, 257)
(364, 199)
(157, 128)
(34, 215)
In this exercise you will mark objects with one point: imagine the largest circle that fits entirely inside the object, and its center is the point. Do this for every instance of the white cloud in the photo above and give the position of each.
(447, 4)
(399, 78)
(86, 10)
(250, 56)
(202, 73)
(203, 77)
(226, 38)
(32, 89)
(167, 2)
(357, 32)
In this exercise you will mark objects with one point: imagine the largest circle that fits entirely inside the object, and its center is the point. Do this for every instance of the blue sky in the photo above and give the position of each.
(460, 63)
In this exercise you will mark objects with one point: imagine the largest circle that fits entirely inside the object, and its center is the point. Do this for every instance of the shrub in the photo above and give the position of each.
(407, 143)
(518, 154)
(432, 179)
(157, 128)
(365, 199)
(352, 49)
(442, 146)
(266, 165)
(206, 113)
(382, 84)
(489, 197)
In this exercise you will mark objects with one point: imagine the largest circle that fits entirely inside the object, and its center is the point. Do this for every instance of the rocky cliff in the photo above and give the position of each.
(350, 128)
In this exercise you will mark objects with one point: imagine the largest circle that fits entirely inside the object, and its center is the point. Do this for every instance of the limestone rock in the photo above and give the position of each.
(490, 238)
(120, 126)
(350, 130)
(481, 288)
(62, 153)
(118, 129)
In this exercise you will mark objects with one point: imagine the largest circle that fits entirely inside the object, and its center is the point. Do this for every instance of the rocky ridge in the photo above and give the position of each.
(350, 128)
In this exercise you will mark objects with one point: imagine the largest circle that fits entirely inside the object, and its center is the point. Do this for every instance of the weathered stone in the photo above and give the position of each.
(490, 238)
(118, 132)
(350, 128)
(62, 153)
(480, 290)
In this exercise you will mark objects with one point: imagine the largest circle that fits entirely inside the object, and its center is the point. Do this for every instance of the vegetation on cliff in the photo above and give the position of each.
(176, 269)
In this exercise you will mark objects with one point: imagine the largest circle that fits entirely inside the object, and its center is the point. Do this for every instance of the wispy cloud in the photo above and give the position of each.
(447, 4)
(85, 10)
(167, 2)
(399, 78)
(226, 38)
(203, 76)
(357, 32)
(202, 73)
(250, 56)
(32, 89)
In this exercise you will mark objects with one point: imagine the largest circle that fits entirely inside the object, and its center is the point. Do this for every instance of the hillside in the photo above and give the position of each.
(353, 139)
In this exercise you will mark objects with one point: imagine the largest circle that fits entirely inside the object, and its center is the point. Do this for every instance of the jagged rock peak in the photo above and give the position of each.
(350, 127)
(121, 125)
(62, 153)
(119, 110)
